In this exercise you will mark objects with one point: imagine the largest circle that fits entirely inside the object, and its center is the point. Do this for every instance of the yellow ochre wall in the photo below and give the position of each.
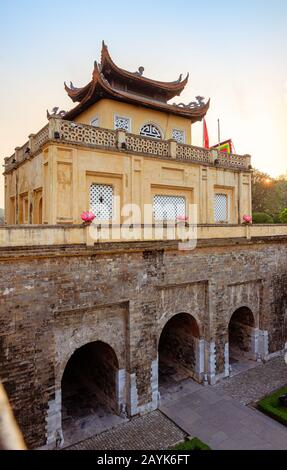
(62, 175)
(106, 109)
(24, 187)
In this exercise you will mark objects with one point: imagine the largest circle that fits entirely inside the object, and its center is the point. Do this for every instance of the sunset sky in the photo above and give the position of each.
(235, 51)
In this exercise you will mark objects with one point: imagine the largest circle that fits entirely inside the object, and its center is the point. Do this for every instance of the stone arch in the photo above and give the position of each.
(168, 316)
(243, 337)
(71, 334)
(80, 339)
(180, 349)
(91, 399)
(251, 308)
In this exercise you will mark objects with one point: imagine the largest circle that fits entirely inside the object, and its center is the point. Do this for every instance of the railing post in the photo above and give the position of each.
(121, 139)
(31, 143)
(54, 127)
(172, 143)
(213, 155)
(247, 159)
(17, 156)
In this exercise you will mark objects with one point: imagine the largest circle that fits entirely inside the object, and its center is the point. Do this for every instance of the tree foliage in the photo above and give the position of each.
(269, 195)
(283, 216)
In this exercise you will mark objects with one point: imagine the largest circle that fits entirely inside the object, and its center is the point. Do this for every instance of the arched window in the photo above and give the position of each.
(95, 121)
(150, 130)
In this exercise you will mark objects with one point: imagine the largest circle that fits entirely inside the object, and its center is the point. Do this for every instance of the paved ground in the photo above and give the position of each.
(255, 383)
(217, 415)
(149, 432)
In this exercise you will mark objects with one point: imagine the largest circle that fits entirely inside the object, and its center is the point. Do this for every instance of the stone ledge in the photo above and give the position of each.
(48, 251)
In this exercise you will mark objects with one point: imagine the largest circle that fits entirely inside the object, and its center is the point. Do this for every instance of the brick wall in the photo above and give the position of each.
(54, 300)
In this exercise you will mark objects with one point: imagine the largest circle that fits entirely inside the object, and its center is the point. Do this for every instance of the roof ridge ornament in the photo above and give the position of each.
(140, 71)
(199, 103)
(56, 113)
(72, 87)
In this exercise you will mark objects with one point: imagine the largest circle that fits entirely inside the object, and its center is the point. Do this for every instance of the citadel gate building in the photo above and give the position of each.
(104, 321)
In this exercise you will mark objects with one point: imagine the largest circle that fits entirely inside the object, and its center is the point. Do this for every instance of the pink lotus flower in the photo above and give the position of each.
(87, 217)
(247, 219)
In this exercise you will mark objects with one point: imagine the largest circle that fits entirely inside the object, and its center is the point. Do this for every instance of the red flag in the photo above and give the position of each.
(205, 135)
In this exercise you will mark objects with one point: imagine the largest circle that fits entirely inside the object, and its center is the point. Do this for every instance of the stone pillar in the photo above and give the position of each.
(254, 343)
(121, 139)
(226, 360)
(199, 359)
(263, 345)
(54, 433)
(154, 384)
(31, 143)
(54, 127)
(134, 406)
(121, 392)
(133, 394)
(172, 148)
(210, 354)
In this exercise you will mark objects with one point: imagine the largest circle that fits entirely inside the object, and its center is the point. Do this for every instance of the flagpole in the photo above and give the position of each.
(218, 126)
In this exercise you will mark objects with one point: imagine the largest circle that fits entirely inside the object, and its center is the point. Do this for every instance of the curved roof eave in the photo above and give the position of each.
(175, 86)
(100, 83)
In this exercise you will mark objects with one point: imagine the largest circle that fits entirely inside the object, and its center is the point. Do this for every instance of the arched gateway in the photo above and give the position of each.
(181, 351)
(90, 392)
(243, 339)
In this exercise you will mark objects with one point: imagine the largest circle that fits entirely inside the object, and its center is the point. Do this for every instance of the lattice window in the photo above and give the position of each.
(178, 135)
(220, 208)
(169, 207)
(95, 122)
(122, 123)
(150, 130)
(101, 201)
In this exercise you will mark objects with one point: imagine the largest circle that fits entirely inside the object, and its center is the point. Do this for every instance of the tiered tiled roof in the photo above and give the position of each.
(110, 81)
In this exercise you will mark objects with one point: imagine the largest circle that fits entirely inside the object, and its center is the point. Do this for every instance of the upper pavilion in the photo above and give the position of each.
(124, 142)
(112, 82)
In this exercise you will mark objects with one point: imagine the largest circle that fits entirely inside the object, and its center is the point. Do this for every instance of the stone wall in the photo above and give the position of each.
(57, 299)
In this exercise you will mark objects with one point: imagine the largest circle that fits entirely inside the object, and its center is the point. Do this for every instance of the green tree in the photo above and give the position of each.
(269, 195)
(283, 216)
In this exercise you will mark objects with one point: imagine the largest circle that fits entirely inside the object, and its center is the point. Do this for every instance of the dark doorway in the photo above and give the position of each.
(241, 332)
(89, 392)
(178, 351)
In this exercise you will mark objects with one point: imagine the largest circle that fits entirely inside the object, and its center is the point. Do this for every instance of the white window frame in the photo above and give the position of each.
(222, 193)
(179, 130)
(110, 219)
(119, 116)
(153, 124)
(168, 196)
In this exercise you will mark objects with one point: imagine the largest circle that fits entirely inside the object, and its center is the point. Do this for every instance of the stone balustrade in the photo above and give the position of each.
(70, 132)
